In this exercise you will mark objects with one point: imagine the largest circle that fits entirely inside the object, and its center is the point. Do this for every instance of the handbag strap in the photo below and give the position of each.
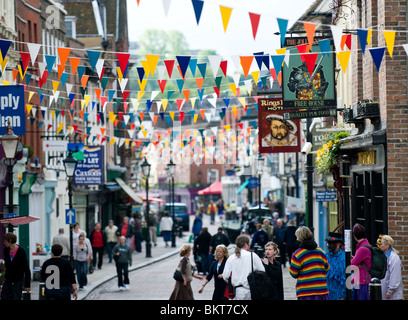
(252, 263)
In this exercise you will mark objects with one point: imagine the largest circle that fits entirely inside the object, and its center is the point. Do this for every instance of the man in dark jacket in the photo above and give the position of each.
(58, 284)
(18, 275)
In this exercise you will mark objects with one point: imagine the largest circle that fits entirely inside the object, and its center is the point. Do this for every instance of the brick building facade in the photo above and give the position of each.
(384, 180)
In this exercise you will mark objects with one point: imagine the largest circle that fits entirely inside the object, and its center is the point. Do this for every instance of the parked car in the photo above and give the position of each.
(180, 214)
(255, 215)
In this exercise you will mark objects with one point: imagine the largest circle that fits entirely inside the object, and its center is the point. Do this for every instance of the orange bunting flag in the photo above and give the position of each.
(74, 64)
(84, 81)
(63, 54)
(310, 29)
(246, 62)
(200, 82)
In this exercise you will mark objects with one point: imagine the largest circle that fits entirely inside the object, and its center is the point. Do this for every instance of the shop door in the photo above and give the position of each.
(369, 206)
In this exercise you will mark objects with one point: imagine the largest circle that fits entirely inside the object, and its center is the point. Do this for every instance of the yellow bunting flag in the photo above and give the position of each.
(164, 104)
(152, 60)
(233, 88)
(55, 85)
(142, 85)
(146, 67)
(344, 57)
(369, 34)
(195, 117)
(172, 115)
(112, 140)
(29, 107)
(225, 15)
(112, 117)
(60, 126)
(255, 75)
(234, 111)
(389, 40)
(120, 75)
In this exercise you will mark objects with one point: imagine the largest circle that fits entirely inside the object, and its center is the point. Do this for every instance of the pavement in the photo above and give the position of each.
(158, 253)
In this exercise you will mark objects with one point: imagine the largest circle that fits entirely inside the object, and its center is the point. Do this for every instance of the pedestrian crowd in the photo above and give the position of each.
(320, 273)
(118, 242)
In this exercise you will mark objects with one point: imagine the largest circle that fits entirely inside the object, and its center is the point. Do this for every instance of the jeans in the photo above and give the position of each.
(122, 270)
(63, 293)
(12, 291)
(138, 242)
(97, 251)
(81, 271)
(111, 245)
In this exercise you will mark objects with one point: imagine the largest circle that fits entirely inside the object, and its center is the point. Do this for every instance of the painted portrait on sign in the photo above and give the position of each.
(276, 134)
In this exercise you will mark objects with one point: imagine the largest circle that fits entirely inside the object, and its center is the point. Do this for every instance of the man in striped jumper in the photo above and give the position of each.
(309, 266)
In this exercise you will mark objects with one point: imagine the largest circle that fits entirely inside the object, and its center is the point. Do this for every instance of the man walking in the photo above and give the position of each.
(58, 276)
(111, 237)
(62, 240)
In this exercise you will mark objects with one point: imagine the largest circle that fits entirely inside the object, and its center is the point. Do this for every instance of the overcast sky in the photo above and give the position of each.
(209, 33)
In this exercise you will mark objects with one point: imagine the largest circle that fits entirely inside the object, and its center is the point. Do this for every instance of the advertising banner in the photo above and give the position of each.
(12, 109)
(90, 170)
(276, 134)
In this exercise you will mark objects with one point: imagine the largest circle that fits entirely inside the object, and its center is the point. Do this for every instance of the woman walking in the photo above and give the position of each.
(123, 258)
(182, 290)
(82, 255)
(309, 266)
(216, 270)
(166, 227)
(391, 285)
(274, 269)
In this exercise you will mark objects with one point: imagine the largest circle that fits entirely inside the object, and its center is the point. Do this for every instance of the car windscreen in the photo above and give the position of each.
(177, 209)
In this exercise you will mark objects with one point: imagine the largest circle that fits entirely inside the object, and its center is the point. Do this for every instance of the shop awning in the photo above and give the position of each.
(214, 188)
(15, 221)
(129, 190)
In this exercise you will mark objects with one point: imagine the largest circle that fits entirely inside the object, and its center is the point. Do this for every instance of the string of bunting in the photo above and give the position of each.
(153, 65)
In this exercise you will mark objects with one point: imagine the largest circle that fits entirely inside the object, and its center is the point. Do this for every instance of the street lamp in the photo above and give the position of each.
(10, 142)
(170, 172)
(259, 169)
(70, 164)
(146, 173)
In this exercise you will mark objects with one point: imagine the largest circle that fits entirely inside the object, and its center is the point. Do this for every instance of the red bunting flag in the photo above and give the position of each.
(254, 22)
(169, 66)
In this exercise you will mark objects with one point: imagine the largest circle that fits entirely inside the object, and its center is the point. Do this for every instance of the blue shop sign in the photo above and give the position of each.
(12, 109)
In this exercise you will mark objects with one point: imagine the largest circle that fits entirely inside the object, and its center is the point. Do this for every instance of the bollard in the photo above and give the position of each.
(41, 295)
(375, 289)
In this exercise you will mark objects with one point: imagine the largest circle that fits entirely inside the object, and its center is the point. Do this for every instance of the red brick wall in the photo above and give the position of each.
(394, 101)
(27, 16)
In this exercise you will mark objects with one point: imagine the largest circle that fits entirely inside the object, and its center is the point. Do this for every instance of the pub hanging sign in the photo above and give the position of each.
(309, 79)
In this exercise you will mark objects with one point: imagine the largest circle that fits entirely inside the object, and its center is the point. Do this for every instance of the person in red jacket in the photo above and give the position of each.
(98, 241)
(361, 277)
(18, 275)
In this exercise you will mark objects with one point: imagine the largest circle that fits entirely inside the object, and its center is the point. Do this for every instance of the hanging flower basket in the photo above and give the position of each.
(328, 156)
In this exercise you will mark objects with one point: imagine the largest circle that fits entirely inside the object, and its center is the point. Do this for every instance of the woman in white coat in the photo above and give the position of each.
(166, 227)
(391, 285)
